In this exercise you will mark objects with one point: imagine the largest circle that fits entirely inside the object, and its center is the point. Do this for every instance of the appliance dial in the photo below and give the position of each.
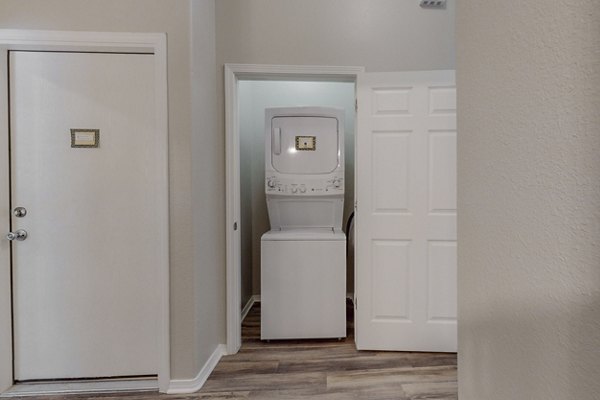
(302, 189)
(271, 182)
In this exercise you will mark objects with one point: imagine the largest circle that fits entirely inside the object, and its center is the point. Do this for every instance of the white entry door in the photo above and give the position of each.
(406, 212)
(85, 292)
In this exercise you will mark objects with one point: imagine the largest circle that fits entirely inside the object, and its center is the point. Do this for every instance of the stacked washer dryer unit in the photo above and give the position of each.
(303, 256)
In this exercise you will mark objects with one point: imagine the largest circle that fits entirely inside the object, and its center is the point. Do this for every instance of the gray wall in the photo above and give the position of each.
(529, 199)
(197, 280)
(248, 211)
(254, 97)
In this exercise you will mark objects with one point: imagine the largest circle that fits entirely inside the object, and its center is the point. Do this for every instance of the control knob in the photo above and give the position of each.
(337, 183)
(271, 183)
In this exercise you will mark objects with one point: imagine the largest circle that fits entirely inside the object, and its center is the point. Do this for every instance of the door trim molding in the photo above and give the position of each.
(233, 74)
(111, 42)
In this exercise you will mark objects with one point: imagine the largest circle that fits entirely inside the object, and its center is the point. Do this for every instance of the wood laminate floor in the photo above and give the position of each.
(315, 369)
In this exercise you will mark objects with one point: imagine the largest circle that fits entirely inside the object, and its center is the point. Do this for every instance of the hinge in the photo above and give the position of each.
(355, 303)
(356, 104)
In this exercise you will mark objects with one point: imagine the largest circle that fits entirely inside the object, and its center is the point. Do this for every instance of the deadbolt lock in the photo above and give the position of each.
(19, 212)
(19, 235)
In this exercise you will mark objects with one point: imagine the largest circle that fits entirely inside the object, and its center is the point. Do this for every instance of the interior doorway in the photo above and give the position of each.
(249, 89)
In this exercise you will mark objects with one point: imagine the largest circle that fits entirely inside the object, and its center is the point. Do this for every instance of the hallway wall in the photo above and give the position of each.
(528, 76)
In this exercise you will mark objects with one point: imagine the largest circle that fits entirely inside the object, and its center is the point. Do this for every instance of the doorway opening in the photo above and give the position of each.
(251, 89)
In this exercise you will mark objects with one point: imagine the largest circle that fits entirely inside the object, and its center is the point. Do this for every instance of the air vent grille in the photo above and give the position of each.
(433, 3)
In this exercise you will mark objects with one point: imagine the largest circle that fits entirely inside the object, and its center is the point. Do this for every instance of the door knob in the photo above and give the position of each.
(20, 212)
(19, 235)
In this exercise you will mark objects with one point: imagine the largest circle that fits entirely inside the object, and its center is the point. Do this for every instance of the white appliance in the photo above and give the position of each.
(303, 256)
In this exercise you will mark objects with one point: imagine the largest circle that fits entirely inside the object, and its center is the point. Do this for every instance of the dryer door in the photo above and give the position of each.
(305, 145)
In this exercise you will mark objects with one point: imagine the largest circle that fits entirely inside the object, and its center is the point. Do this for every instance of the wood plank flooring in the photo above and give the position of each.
(315, 369)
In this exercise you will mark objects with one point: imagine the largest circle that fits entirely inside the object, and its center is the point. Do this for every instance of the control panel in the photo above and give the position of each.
(304, 187)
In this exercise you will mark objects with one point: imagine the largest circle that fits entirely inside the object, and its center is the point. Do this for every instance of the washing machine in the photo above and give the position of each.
(303, 256)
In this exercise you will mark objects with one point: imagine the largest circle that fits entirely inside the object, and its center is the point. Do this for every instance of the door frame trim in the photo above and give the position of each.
(110, 42)
(233, 74)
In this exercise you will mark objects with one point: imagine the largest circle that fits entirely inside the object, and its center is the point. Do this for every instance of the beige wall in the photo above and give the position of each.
(193, 328)
(529, 199)
(382, 35)
(208, 185)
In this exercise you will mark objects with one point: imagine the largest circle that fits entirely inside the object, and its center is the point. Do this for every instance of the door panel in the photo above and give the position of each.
(406, 211)
(85, 279)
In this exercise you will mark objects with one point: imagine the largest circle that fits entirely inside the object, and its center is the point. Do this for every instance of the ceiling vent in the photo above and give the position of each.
(433, 3)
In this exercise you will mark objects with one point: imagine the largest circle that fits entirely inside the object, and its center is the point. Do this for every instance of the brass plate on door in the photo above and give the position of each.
(85, 138)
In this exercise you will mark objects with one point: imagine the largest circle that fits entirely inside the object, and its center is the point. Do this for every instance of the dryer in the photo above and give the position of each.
(303, 256)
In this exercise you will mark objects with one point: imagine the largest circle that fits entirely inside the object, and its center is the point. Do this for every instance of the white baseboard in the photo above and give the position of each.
(253, 299)
(180, 386)
(78, 387)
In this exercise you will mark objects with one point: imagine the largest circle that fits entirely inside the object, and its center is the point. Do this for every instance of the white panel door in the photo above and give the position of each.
(406, 211)
(85, 279)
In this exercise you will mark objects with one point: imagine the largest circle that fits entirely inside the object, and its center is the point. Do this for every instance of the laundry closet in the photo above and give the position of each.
(256, 98)
(399, 179)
